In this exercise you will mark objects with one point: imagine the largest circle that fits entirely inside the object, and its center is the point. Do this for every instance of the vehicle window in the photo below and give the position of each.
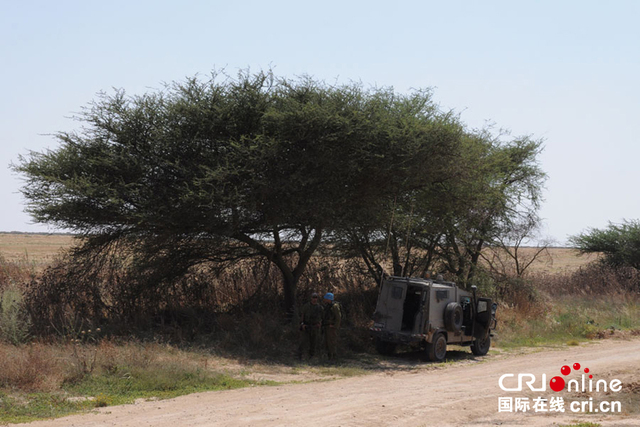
(482, 306)
(442, 295)
(396, 292)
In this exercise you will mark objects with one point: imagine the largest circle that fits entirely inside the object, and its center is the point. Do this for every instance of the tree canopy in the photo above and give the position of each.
(619, 243)
(491, 190)
(253, 166)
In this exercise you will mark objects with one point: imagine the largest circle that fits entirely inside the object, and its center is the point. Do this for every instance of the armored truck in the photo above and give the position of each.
(431, 314)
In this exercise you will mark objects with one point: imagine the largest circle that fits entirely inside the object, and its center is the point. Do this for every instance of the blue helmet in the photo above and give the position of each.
(328, 296)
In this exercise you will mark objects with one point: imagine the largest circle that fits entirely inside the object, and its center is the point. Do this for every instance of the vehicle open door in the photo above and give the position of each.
(389, 311)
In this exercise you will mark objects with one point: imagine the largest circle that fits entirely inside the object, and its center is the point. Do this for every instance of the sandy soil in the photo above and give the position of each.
(459, 393)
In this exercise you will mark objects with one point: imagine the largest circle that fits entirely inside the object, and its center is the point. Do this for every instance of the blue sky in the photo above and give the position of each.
(564, 71)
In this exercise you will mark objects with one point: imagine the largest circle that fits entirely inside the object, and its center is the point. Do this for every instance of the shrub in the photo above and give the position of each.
(32, 367)
(14, 320)
(594, 279)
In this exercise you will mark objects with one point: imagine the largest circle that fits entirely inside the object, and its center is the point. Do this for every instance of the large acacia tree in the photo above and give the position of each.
(231, 168)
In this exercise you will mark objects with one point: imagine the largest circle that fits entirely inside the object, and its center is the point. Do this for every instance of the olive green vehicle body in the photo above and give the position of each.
(431, 314)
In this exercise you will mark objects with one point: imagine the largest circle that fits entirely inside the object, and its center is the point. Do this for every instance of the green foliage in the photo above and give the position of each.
(217, 171)
(14, 320)
(500, 190)
(620, 243)
(102, 400)
(225, 169)
(34, 406)
(127, 383)
(489, 195)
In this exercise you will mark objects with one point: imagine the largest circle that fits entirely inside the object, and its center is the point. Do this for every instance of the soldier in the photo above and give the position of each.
(310, 323)
(331, 324)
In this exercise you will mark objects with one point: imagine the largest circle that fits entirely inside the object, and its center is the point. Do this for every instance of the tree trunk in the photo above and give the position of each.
(289, 287)
(277, 255)
(475, 256)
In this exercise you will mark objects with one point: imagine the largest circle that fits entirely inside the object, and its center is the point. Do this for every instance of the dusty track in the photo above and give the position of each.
(464, 393)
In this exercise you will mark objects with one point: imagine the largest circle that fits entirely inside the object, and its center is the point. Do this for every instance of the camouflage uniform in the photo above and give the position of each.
(330, 324)
(310, 322)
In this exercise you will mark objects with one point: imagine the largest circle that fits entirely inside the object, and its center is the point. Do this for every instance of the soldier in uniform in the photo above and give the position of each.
(310, 323)
(330, 325)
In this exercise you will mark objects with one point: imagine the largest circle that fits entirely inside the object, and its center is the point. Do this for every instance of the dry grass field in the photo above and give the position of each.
(38, 250)
(557, 260)
(35, 250)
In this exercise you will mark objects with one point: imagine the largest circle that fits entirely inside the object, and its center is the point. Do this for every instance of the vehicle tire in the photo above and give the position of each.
(436, 351)
(385, 348)
(453, 317)
(481, 347)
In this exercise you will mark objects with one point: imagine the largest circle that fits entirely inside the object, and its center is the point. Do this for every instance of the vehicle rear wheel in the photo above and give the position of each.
(436, 351)
(480, 347)
(385, 348)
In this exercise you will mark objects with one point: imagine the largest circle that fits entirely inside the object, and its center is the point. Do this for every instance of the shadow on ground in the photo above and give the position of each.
(402, 361)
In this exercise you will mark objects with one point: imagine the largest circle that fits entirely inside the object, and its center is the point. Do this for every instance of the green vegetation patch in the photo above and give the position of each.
(125, 384)
(121, 385)
(569, 320)
(22, 408)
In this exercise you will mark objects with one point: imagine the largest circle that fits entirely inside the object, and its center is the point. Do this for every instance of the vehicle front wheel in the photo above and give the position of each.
(436, 351)
(481, 347)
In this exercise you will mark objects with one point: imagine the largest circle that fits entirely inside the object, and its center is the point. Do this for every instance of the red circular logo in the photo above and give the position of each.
(556, 383)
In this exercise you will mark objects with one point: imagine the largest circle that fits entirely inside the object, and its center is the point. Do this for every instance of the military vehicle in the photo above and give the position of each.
(431, 314)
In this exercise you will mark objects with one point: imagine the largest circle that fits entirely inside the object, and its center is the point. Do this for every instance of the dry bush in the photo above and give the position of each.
(257, 327)
(14, 320)
(536, 291)
(33, 367)
(585, 304)
(47, 367)
(15, 272)
(594, 279)
(111, 354)
(255, 335)
(77, 293)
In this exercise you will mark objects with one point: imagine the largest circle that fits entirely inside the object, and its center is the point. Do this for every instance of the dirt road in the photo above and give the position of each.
(461, 393)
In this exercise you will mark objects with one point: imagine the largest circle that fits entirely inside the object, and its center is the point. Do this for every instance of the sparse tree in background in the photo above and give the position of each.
(619, 243)
(228, 169)
(508, 257)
